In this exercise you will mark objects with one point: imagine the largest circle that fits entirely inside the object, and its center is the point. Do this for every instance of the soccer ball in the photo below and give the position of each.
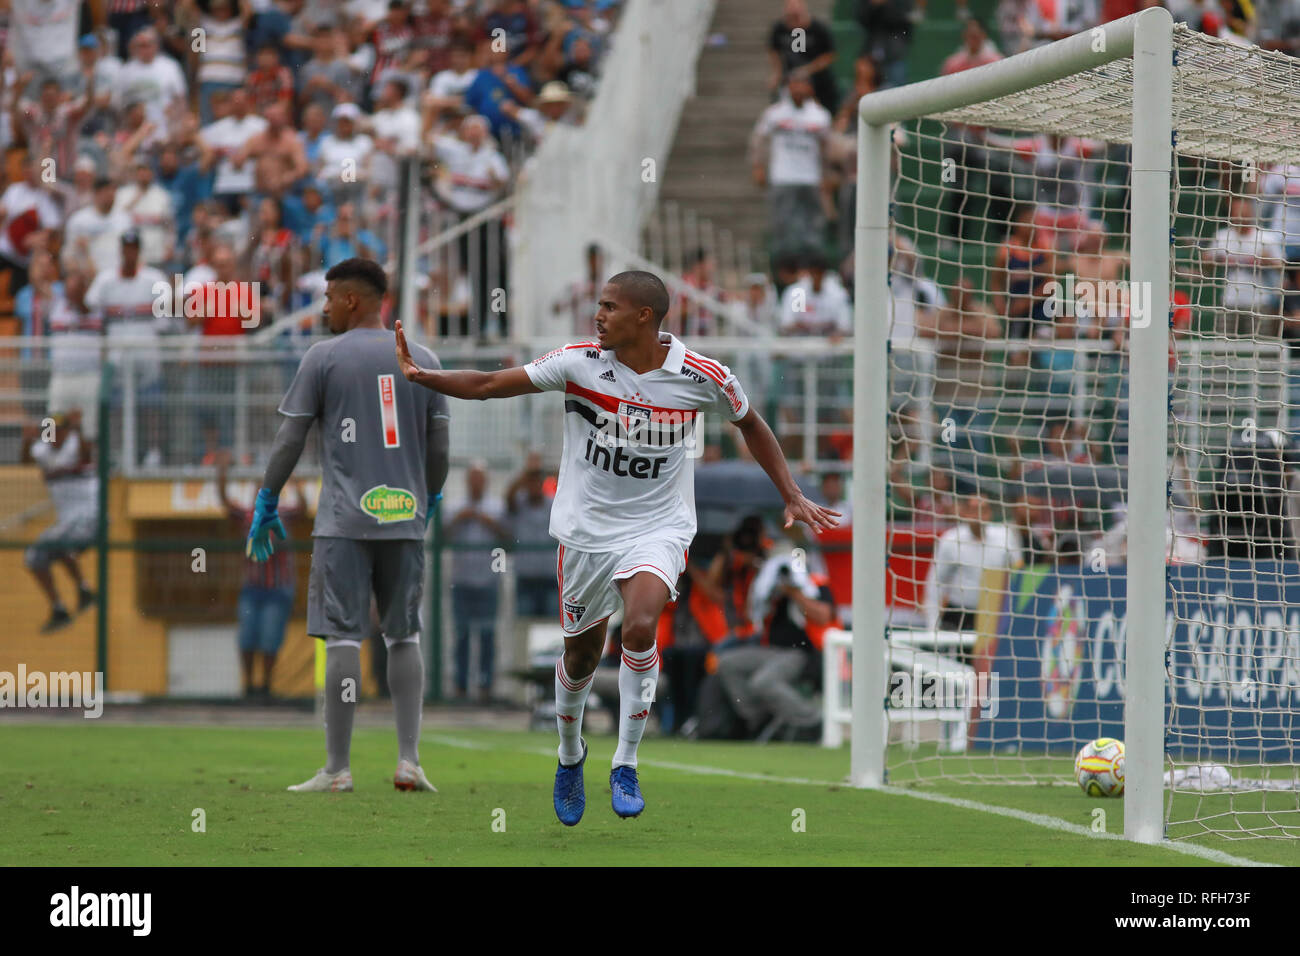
(1099, 768)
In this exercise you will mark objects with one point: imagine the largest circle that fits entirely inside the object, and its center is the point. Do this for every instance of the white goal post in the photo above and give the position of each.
(1144, 45)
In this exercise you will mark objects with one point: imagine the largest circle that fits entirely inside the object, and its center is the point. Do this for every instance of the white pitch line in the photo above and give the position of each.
(1065, 826)
(1024, 816)
(740, 774)
(459, 742)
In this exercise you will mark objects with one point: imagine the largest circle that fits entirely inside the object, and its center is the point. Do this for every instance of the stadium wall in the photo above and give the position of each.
(145, 518)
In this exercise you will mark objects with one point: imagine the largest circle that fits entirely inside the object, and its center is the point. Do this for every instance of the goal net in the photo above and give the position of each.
(1091, 516)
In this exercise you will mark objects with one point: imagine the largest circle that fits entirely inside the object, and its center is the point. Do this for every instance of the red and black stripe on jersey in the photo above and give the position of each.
(633, 423)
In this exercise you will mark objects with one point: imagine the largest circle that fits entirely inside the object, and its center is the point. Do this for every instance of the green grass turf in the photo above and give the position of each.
(114, 795)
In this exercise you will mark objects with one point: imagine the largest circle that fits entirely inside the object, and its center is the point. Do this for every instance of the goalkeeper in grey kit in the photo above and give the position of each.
(383, 451)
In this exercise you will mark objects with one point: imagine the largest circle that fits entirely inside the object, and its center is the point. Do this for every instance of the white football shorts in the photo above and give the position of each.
(588, 590)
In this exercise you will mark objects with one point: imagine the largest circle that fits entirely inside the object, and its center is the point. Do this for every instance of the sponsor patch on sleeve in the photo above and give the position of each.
(732, 396)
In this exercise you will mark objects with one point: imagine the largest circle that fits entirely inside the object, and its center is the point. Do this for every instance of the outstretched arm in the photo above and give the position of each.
(763, 446)
(463, 383)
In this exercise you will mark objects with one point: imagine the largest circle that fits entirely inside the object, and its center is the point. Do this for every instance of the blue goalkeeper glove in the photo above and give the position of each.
(266, 521)
(433, 503)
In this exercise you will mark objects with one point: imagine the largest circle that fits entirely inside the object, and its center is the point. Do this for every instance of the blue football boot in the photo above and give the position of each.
(625, 792)
(570, 796)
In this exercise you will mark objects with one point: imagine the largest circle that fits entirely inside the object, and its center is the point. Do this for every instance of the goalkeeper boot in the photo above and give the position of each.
(325, 782)
(411, 776)
(625, 792)
(570, 794)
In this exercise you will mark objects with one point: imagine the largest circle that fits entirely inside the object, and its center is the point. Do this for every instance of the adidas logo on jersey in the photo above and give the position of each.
(607, 375)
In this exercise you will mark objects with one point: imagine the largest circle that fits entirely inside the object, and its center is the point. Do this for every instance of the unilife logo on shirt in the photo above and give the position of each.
(387, 505)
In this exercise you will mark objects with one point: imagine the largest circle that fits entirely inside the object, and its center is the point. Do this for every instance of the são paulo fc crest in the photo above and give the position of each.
(573, 613)
(633, 418)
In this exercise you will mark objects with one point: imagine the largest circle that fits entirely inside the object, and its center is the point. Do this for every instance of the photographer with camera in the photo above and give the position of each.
(763, 681)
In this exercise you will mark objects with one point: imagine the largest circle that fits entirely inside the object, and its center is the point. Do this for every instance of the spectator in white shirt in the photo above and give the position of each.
(473, 171)
(124, 299)
(1281, 191)
(222, 144)
(344, 155)
(223, 59)
(75, 333)
(789, 157)
(1252, 260)
(43, 37)
(760, 301)
(156, 81)
(446, 94)
(961, 556)
(395, 124)
(27, 208)
(91, 237)
(471, 178)
(817, 304)
(916, 298)
(395, 128)
(80, 192)
(95, 53)
(149, 208)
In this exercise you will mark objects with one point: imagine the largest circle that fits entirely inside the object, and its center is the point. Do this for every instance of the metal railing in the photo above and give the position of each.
(176, 400)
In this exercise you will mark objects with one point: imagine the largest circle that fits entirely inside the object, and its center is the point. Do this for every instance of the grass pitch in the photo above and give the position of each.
(85, 793)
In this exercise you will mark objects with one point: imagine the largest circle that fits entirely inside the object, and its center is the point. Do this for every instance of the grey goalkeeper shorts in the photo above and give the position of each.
(344, 574)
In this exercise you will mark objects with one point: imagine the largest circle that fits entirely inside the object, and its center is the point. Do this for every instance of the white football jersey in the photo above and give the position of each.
(628, 440)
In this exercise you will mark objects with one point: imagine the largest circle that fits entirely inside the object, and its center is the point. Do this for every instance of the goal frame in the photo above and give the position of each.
(1146, 37)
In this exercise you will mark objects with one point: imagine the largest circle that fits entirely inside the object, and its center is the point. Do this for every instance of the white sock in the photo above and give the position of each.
(638, 675)
(570, 699)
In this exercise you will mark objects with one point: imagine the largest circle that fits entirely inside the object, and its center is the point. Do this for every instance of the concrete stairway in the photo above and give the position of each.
(708, 169)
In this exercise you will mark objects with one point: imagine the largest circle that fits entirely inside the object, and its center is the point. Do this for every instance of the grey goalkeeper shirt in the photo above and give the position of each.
(373, 429)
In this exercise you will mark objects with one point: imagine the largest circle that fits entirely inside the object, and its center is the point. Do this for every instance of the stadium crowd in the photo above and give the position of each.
(1047, 207)
(145, 141)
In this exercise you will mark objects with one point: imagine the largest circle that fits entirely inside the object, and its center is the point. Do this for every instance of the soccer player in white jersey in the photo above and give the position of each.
(624, 512)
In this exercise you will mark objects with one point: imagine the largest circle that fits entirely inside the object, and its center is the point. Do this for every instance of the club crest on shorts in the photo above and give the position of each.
(633, 418)
(573, 612)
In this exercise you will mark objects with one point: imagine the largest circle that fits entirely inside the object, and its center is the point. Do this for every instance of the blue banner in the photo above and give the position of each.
(1232, 639)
